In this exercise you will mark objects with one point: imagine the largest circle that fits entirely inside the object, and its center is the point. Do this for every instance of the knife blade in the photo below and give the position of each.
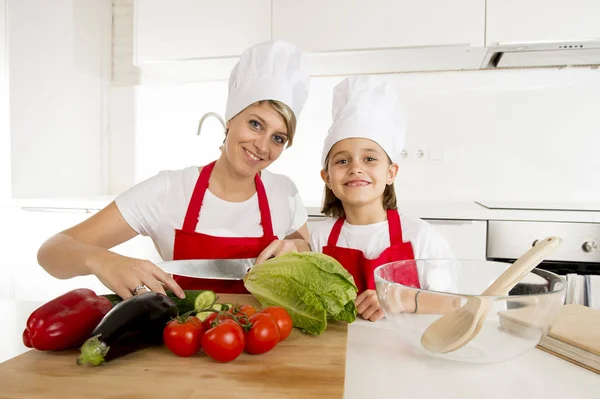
(219, 269)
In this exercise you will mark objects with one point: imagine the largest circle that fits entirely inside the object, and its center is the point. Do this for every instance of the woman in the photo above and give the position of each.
(231, 208)
(359, 161)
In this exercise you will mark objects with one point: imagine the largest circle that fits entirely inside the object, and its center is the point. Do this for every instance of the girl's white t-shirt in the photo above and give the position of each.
(373, 239)
(157, 206)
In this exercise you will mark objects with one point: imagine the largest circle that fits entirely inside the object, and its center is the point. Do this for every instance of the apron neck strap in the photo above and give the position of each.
(335, 232)
(394, 227)
(263, 205)
(193, 211)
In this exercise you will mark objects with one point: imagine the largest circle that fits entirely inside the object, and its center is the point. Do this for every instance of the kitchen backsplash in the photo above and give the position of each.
(531, 134)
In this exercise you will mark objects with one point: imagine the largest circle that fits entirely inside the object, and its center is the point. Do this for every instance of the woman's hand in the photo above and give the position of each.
(276, 248)
(295, 242)
(367, 306)
(123, 275)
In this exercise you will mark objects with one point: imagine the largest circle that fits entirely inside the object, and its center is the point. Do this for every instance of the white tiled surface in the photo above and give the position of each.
(379, 364)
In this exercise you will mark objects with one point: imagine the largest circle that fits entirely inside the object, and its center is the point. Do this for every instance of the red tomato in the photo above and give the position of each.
(224, 342)
(243, 312)
(282, 318)
(248, 310)
(264, 334)
(208, 321)
(184, 338)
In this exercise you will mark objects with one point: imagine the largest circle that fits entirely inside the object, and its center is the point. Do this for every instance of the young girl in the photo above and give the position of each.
(359, 160)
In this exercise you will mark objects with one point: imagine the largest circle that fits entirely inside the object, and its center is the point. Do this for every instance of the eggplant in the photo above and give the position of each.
(133, 324)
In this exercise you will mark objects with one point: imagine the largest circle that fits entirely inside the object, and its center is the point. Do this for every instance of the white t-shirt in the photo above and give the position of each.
(157, 206)
(373, 239)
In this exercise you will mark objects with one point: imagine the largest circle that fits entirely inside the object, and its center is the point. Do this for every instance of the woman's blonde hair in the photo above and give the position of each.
(286, 113)
(332, 205)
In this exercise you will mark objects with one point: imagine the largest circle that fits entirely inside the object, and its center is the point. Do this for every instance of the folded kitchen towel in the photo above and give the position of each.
(593, 291)
(575, 289)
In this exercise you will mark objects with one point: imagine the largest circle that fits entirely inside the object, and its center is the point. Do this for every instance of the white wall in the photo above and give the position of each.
(504, 135)
(59, 64)
(4, 107)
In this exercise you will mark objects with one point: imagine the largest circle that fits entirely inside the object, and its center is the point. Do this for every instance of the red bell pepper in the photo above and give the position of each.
(65, 322)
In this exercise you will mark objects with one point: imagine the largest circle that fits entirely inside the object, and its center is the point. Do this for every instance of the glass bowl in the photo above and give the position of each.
(514, 323)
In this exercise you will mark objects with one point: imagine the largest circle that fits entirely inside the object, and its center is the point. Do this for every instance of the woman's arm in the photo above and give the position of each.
(84, 249)
(79, 250)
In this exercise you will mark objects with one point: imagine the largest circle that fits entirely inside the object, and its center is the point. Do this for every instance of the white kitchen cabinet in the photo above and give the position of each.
(190, 29)
(6, 273)
(59, 70)
(467, 238)
(4, 108)
(318, 26)
(27, 229)
(534, 21)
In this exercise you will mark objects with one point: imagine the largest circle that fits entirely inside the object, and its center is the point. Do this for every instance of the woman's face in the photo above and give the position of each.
(358, 171)
(256, 138)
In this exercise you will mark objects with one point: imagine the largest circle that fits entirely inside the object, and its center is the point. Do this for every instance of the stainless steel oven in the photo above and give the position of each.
(577, 259)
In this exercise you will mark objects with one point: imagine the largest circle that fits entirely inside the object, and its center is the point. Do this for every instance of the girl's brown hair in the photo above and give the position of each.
(332, 206)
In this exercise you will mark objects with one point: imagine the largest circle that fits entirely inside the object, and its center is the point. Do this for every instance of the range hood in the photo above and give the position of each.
(549, 54)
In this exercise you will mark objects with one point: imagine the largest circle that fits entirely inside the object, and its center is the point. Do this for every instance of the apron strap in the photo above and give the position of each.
(335, 232)
(265, 209)
(193, 211)
(395, 227)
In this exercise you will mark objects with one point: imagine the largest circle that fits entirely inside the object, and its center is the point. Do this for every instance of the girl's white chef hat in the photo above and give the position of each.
(268, 71)
(366, 108)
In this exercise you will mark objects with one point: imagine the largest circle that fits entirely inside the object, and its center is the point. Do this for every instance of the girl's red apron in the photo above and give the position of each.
(362, 269)
(192, 245)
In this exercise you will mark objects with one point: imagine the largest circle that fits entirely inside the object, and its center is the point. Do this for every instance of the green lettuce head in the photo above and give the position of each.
(311, 286)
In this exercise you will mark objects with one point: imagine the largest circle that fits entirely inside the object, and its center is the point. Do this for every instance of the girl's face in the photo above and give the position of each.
(358, 171)
(256, 138)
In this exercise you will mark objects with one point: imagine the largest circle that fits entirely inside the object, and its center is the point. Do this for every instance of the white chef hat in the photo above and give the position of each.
(366, 108)
(268, 71)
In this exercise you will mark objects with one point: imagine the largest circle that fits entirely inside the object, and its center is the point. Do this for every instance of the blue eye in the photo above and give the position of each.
(278, 139)
(254, 124)
(370, 159)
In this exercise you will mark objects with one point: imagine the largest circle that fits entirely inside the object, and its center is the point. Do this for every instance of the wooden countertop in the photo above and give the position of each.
(302, 366)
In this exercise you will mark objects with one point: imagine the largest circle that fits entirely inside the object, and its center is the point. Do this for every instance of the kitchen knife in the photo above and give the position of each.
(219, 269)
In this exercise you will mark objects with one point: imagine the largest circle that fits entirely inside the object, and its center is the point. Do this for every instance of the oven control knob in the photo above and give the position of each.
(590, 246)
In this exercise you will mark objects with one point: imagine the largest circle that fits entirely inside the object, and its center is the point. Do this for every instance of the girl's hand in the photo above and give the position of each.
(367, 306)
(123, 274)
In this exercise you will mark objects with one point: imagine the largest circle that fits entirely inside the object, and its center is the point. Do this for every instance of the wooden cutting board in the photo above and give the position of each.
(302, 366)
(574, 335)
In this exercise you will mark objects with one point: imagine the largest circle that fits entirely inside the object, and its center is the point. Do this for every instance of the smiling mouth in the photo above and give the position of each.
(253, 156)
(357, 183)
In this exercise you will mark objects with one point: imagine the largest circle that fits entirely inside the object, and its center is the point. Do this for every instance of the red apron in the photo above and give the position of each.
(362, 269)
(190, 244)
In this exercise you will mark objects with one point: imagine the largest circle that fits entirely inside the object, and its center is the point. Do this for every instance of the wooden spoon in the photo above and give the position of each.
(454, 330)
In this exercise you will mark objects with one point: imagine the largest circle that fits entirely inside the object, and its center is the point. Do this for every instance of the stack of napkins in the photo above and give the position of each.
(575, 336)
